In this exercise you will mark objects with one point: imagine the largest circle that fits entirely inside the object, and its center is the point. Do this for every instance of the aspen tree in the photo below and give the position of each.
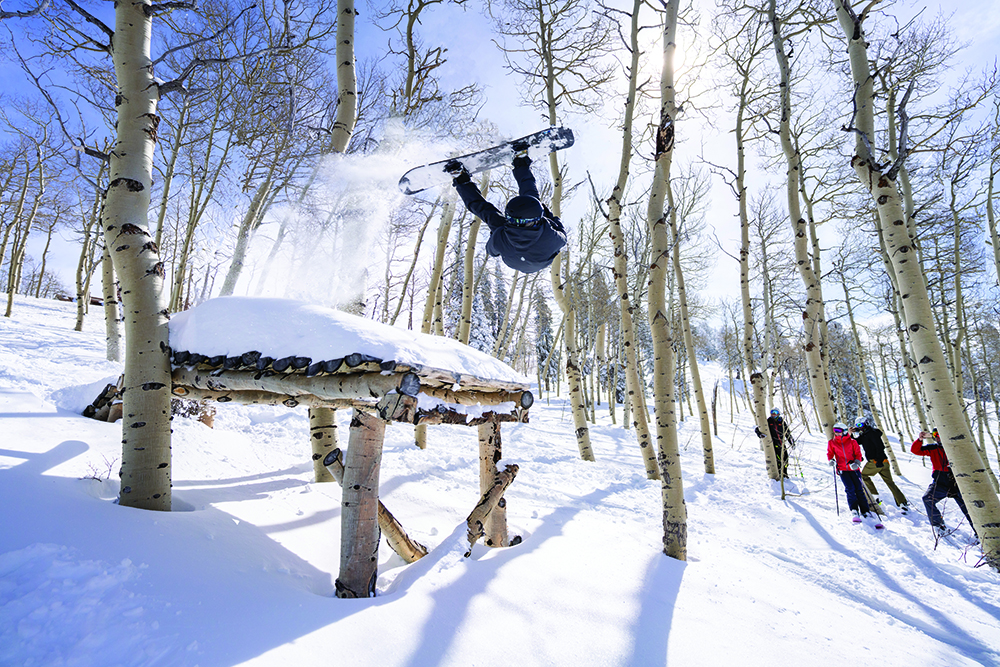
(633, 384)
(812, 316)
(744, 58)
(943, 405)
(668, 456)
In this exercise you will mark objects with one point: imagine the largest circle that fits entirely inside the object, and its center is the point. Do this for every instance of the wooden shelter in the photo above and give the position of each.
(378, 391)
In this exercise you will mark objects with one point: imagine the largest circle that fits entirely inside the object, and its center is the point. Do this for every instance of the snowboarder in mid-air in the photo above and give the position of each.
(527, 237)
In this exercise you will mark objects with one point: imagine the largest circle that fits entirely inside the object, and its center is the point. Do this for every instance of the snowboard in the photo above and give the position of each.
(538, 144)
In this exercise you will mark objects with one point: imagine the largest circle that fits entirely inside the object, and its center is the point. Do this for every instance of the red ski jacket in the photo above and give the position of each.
(845, 448)
(939, 460)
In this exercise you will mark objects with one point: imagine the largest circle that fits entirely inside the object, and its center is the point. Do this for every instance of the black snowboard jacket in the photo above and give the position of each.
(525, 249)
(871, 441)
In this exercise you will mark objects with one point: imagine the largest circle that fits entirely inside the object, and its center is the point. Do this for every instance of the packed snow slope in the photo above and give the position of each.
(242, 571)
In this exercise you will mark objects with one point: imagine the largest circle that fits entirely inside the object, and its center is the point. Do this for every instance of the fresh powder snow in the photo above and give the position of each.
(242, 571)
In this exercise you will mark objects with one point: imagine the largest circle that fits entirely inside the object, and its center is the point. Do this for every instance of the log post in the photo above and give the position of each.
(359, 533)
(490, 503)
(323, 439)
(408, 549)
(495, 526)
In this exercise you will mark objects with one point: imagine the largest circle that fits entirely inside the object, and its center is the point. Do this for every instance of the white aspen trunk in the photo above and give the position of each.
(409, 550)
(146, 465)
(699, 394)
(444, 231)
(359, 532)
(633, 386)
(347, 82)
(573, 374)
(322, 440)
(812, 316)
(465, 323)
(112, 318)
(944, 405)
(413, 264)
(243, 235)
(668, 456)
(991, 217)
(168, 176)
(752, 380)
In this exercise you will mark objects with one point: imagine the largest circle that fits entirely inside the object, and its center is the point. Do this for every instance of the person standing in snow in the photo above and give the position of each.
(780, 434)
(943, 483)
(870, 439)
(527, 237)
(844, 453)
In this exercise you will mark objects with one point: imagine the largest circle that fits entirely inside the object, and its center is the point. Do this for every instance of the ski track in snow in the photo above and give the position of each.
(242, 571)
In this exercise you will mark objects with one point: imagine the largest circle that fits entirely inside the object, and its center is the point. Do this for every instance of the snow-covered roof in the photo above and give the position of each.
(282, 328)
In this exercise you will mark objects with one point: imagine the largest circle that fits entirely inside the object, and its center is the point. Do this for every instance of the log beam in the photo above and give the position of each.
(263, 398)
(489, 504)
(327, 387)
(407, 548)
(359, 533)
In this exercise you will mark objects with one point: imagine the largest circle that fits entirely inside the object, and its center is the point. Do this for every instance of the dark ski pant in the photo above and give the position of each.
(781, 456)
(943, 486)
(881, 468)
(854, 490)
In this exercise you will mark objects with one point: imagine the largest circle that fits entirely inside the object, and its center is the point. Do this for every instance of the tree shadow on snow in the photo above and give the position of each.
(205, 587)
(451, 604)
(662, 584)
(940, 627)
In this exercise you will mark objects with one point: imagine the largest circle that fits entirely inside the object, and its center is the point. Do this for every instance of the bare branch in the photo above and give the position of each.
(208, 38)
(164, 7)
(93, 20)
(42, 6)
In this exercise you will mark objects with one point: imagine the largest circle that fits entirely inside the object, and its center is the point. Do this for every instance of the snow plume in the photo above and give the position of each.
(335, 240)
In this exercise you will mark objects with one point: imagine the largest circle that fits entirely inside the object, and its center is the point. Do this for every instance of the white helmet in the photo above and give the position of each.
(840, 426)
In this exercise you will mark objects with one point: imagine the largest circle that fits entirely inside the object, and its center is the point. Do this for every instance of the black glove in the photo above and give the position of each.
(757, 431)
(522, 161)
(458, 170)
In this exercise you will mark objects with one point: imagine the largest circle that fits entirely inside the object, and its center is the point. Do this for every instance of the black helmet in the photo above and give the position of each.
(524, 211)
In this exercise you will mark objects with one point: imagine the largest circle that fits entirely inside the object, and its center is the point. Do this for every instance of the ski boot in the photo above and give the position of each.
(857, 516)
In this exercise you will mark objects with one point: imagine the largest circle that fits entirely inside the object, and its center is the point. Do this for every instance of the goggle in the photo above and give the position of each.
(838, 430)
(523, 222)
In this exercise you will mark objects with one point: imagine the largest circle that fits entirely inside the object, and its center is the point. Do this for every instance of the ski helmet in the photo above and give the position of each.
(775, 412)
(839, 427)
(524, 211)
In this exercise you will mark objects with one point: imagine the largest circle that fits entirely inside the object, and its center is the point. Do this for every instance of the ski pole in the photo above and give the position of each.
(836, 498)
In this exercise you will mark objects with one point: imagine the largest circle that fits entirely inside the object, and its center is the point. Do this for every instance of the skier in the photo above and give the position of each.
(844, 453)
(870, 439)
(527, 237)
(943, 483)
(780, 434)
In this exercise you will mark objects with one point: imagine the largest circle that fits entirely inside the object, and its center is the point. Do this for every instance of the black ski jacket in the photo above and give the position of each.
(871, 441)
(525, 249)
(778, 429)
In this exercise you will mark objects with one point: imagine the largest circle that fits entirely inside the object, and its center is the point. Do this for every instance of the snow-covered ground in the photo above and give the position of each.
(242, 571)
